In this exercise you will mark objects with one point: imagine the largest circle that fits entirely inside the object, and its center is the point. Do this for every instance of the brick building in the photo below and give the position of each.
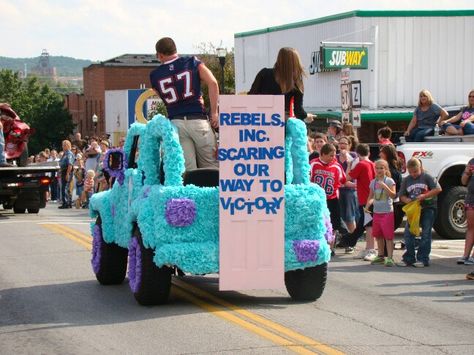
(128, 71)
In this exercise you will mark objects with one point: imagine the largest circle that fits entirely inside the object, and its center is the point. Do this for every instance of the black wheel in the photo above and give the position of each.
(19, 210)
(109, 261)
(306, 284)
(33, 210)
(149, 283)
(451, 220)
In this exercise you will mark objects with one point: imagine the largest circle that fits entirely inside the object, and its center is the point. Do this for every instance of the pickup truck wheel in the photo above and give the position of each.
(109, 261)
(398, 212)
(33, 210)
(19, 210)
(451, 220)
(149, 283)
(307, 284)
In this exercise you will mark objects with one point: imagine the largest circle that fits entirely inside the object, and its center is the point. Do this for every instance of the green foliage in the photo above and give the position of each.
(208, 55)
(40, 107)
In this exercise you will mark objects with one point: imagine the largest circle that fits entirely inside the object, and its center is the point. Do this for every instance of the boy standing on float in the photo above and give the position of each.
(177, 81)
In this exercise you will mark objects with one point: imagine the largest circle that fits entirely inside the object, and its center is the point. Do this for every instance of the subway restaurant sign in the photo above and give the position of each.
(353, 58)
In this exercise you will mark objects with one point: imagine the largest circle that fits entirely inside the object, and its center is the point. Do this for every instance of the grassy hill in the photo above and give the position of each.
(65, 66)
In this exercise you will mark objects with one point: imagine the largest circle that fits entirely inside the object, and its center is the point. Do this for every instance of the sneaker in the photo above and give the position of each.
(388, 262)
(461, 260)
(349, 250)
(469, 261)
(378, 260)
(371, 255)
(403, 264)
(419, 264)
(362, 254)
(470, 276)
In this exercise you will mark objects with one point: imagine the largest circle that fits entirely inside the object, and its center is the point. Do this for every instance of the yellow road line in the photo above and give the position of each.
(191, 293)
(258, 319)
(54, 228)
(242, 323)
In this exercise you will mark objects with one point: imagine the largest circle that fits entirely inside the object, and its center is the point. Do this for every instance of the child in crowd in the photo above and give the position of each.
(88, 188)
(468, 179)
(318, 139)
(421, 186)
(384, 135)
(363, 172)
(327, 173)
(381, 195)
(79, 175)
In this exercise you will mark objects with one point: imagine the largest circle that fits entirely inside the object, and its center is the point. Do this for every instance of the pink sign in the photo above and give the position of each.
(251, 192)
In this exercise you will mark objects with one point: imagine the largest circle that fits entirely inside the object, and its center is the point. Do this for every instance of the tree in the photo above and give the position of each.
(208, 55)
(40, 107)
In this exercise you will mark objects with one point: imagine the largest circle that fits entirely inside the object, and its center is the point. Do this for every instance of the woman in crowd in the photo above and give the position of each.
(426, 116)
(347, 193)
(389, 154)
(286, 77)
(465, 119)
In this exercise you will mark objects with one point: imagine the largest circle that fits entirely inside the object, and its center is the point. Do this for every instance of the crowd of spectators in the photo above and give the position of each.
(81, 170)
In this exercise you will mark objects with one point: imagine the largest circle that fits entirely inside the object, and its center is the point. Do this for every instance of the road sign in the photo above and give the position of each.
(345, 97)
(356, 94)
(356, 120)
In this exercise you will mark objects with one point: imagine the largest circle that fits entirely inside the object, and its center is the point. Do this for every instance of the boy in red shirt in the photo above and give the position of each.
(328, 173)
(364, 173)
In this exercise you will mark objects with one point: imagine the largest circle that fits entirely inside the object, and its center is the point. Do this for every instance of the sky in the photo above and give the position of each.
(102, 29)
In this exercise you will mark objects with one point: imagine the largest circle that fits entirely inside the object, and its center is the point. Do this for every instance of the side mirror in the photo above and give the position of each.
(115, 164)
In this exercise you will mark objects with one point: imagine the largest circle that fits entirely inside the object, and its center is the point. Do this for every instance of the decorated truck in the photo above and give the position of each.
(161, 221)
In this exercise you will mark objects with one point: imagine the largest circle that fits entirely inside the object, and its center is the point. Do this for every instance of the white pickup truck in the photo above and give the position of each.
(445, 157)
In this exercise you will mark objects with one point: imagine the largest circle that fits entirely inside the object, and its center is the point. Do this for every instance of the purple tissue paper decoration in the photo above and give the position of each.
(306, 250)
(146, 191)
(97, 242)
(118, 174)
(180, 212)
(134, 265)
(329, 232)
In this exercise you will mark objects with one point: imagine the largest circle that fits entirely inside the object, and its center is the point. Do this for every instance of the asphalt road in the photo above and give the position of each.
(50, 303)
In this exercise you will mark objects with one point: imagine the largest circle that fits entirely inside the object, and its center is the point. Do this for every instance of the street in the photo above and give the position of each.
(51, 303)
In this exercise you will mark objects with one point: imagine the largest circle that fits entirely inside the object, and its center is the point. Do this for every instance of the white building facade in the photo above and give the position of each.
(407, 51)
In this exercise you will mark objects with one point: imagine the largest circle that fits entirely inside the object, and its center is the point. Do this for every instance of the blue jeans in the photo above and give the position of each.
(3, 159)
(424, 248)
(419, 134)
(66, 191)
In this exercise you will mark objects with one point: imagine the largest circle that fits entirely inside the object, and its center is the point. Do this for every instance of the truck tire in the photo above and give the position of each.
(451, 220)
(19, 210)
(398, 213)
(109, 261)
(33, 210)
(149, 283)
(307, 284)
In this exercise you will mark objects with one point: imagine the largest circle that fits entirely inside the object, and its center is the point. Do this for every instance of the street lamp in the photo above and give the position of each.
(221, 54)
(95, 119)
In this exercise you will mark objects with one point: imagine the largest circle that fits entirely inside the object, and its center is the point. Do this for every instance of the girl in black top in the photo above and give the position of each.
(286, 77)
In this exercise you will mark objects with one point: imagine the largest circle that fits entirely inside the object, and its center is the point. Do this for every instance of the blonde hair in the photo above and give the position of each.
(426, 93)
(90, 173)
(67, 144)
(470, 93)
(289, 70)
(414, 163)
(385, 166)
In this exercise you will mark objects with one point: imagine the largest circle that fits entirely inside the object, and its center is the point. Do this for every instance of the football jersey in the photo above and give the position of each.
(329, 176)
(178, 84)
